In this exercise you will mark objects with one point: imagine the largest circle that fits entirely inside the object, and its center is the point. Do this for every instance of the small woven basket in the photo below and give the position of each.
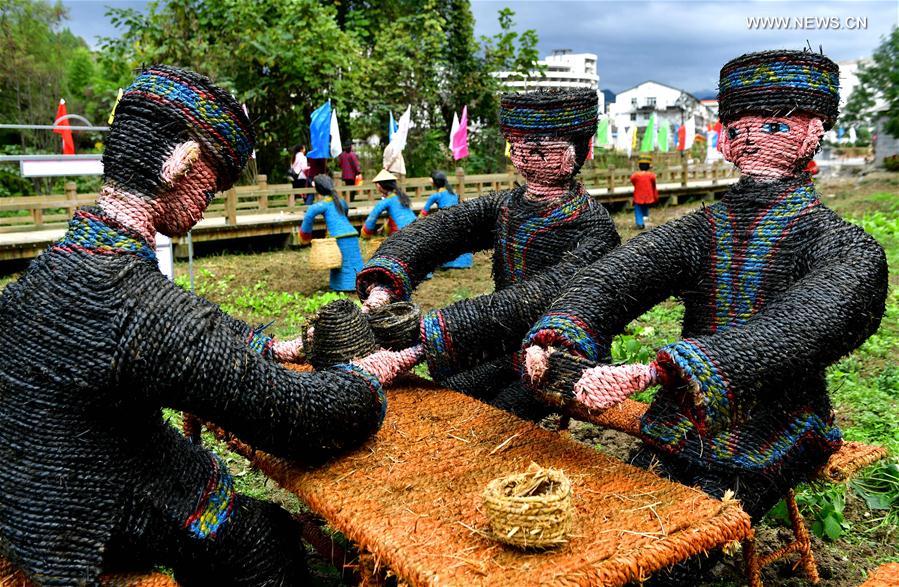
(531, 509)
(396, 325)
(370, 246)
(325, 254)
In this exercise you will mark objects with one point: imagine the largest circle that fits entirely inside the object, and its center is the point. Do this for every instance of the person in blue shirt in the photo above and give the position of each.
(334, 209)
(394, 201)
(445, 197)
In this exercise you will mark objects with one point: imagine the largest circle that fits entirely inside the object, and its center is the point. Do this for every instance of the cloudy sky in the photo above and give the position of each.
(679, 42)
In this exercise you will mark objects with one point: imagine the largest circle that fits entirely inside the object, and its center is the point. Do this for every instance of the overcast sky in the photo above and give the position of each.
(678, 42)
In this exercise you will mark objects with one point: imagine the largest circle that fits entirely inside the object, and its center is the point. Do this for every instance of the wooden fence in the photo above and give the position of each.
(28, 213)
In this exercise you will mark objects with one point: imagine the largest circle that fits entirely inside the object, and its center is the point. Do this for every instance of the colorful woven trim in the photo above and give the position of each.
(260, 343)
(769, 75)
(397, 273)
(514, 247)
(714, 408)
(567, 331)
(566, 113)
(94, 234)
(215, 504)
(438, 344)
(165, 86)
(373, 384)
(739, 267)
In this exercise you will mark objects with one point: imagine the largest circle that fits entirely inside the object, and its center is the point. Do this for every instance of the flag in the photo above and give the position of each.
(664, 135)
(391, 127)
(114, 106)
(244, 106)
(649, 137)
(402, 128)
(320, 132)
(852, 134)
(676, 136)
(454, 129)
(68, 145)
(590, 152)
(689, 134)
(604, 132)
(622, 142)
(460, 139)
(336, 147)
(632, 143)
(508, 151)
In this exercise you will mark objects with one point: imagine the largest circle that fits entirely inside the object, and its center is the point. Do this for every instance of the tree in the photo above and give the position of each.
(878, 80)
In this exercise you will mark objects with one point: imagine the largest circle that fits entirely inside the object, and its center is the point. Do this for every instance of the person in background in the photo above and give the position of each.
(645, 191)
(445, 197)
(334, 210)
(298, 167)
(349, 165)
(394, 162)
(395, 202)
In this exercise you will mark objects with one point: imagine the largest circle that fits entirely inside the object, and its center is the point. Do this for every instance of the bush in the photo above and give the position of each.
(891, 163)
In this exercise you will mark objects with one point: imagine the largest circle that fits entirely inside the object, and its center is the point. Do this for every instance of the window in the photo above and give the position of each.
(634, 102)
(651, 101)
(633, 116)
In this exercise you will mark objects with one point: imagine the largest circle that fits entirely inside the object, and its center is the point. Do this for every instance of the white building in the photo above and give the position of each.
(564, 70)
(634, 106)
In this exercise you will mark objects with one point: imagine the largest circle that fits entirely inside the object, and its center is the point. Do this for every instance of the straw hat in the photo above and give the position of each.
(384, 175)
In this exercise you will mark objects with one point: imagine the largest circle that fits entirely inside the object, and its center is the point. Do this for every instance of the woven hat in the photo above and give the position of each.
(163, 107)
(644, 159)
(776, 83)
(549, 113)
(340, 334)
(384, 175)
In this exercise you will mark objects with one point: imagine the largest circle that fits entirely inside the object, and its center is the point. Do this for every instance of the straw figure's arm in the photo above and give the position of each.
(180, 353)
(316, 209)
(432, 199)
(470, 332)
(370, 226)
(829, 312)
(407, 256)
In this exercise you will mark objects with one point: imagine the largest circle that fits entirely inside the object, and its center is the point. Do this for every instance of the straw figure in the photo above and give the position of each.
(96, 341)
(646, 193)
(776, 287)
(445, 198)
(394, 202)
(334, 210)
(540, 234)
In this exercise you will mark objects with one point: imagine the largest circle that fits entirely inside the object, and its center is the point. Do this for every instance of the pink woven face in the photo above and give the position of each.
(181, 206)
(771, 147)
(544, 160)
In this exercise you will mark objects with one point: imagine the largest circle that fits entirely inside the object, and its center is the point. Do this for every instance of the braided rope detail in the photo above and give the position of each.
(606, 385)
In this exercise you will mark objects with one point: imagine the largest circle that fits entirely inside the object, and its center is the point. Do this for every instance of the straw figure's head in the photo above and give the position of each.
(549, 133)
(644, 162)
(175, 141)
(775, 107)
(324, 185)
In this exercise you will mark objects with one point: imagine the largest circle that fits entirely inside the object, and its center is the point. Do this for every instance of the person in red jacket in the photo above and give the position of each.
(645, 191)
(349, 165)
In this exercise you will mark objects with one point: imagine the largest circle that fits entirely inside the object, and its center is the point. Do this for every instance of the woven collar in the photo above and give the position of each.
(92, 232)
(749, 191)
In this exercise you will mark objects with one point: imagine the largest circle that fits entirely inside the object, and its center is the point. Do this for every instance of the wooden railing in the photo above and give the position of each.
(52, 211)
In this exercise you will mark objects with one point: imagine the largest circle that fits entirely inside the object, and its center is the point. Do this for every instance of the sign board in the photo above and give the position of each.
(61, 166)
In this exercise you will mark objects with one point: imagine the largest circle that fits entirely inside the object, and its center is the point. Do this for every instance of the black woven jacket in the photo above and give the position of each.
(775, 286)
(537, 248)
(94, 341)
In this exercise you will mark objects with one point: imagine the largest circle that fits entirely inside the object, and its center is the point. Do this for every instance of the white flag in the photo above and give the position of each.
(631, 139)
(336, 147)
(621, 140)
(402, 132)
(852, 134)
(689, 133)
(454, 129)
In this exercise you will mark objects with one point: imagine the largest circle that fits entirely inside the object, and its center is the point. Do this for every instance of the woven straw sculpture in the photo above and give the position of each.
(540, 235)
(95, 341)
(530, 509)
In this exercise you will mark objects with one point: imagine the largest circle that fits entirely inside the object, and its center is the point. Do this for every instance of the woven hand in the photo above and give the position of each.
(552, 374)
(388, 365)
(377, 297)
(606, 385)
(290, 351)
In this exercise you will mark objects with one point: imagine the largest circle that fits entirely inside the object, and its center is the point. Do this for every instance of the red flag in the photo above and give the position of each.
(68, 145)
(681, 137)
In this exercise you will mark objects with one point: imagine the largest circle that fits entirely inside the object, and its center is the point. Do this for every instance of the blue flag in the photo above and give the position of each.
(392, 127)
(320, 132)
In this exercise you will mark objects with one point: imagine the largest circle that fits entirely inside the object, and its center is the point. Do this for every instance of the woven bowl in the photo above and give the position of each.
(325, 254)
(396, 326)
(531, 509)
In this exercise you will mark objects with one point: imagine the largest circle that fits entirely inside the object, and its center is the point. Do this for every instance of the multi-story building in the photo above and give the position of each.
(563, 69)
(635, 106)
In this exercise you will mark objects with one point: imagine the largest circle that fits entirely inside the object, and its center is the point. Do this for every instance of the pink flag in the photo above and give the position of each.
(460, 139)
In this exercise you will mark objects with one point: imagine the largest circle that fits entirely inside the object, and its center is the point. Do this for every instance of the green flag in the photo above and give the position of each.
(603, 133)
(664, 133)
(649, 135)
